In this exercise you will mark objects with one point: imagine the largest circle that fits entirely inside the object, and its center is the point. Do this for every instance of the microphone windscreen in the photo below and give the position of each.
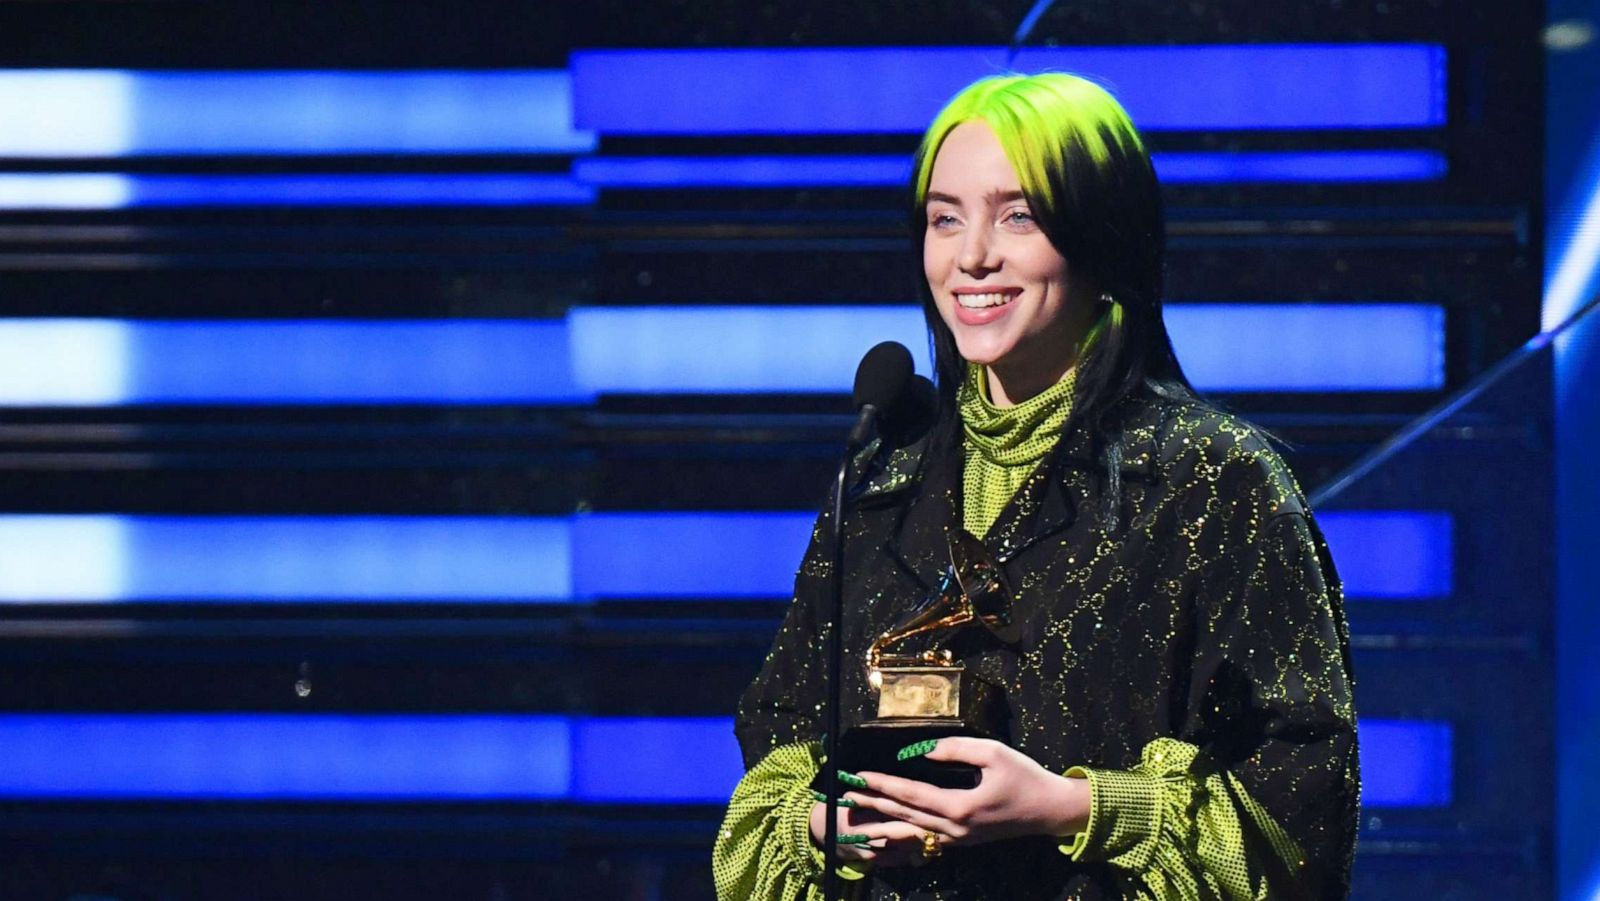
(883, 375)
(912, 415)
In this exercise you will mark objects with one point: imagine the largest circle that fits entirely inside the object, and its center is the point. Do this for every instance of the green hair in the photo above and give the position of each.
(1041, 120)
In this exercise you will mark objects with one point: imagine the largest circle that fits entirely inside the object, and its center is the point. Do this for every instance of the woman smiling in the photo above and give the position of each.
(1179, 692)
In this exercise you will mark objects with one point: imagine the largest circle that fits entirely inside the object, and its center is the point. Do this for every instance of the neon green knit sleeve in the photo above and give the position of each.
(1269, 811)
(763, 851)
(1179, 836)
(1182, 827)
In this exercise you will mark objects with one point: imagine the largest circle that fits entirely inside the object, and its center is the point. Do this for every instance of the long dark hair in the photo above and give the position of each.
(1091, 187)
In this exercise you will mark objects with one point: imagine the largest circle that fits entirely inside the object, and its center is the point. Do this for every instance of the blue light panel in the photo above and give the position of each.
(1392, 554)
(66, 112)
(106, 113)
(65, 362)
(90, 362)
(898, 89)
(65, 191)
(96, 191)
(1310, 347)
(103, 113)
(648, 350)
(1406, 763)
(895, 171)
(1263, 86)
(655, 761)
(687, 349)
(329, 361)
(47, 558)
(1223, 347)
(1306, 167)
(77, 191)
(277, 757)
(886, 170)
(198, 756)
(699, 555)
(90, 558)
(283, 558)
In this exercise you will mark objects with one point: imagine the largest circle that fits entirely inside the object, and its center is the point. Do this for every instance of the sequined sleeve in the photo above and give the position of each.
(763, 851)
(783, 704)
(1262, 803)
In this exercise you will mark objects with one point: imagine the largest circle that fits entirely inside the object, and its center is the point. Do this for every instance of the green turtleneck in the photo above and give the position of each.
(1005, 444)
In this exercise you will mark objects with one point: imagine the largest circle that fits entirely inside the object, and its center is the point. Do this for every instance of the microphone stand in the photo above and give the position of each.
(835, 652)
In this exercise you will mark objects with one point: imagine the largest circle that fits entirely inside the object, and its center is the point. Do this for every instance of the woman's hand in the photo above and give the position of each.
(1016, 797)
(865, 836)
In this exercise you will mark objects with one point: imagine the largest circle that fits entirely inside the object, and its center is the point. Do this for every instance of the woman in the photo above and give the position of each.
(1182, 723)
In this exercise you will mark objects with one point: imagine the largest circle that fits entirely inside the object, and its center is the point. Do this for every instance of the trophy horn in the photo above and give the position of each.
(973, 590)
(983, 585)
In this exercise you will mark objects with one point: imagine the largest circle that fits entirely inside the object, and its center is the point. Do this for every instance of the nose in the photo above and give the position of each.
(978, 252)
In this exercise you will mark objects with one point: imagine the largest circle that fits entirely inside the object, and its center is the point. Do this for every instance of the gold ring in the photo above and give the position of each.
(930, 845)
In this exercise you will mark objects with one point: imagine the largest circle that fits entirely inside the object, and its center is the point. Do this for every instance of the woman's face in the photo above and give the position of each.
(1000, 285)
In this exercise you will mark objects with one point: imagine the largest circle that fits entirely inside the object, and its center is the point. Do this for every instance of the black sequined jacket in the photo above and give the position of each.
(1211, 613)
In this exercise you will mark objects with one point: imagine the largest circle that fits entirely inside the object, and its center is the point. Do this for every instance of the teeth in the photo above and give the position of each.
(979, 301)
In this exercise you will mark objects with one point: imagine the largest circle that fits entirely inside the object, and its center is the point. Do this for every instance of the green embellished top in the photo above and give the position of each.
(1005, 444)
(1217, 739)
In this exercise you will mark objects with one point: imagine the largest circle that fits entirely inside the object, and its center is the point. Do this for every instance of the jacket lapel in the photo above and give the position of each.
(1045, 504)
(919, 542)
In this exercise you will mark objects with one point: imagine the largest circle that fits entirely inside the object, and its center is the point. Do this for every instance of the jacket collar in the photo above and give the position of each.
(1044, 506)
(878, 472)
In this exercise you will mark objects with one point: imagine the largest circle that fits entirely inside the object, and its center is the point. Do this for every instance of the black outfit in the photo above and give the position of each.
(1209, 614)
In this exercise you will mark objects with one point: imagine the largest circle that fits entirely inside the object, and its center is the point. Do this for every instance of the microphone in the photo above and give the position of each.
(885, 388)
(882, 381)
(912, 416)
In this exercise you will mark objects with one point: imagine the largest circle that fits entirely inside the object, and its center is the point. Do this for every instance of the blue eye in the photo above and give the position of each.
(1019, 216)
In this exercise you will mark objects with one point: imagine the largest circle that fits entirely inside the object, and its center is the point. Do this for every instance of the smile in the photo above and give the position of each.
(982, 301)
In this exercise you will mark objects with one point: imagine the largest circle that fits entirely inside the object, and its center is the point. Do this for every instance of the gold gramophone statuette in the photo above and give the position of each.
(926, 693)
(929, 686)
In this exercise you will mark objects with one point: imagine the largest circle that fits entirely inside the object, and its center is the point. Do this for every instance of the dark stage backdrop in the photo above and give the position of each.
(411, 415)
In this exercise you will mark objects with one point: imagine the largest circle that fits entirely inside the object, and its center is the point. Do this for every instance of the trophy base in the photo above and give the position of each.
(872, 746)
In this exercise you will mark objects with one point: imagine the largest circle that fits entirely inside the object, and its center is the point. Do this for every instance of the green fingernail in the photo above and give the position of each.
(852, 780)
(853, 839)
(917, 749)
(842, 802)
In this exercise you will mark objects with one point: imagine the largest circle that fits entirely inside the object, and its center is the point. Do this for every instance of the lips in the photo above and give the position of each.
(983, 307)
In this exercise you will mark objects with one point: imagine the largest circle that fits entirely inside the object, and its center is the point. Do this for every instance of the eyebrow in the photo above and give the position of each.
(992, 196)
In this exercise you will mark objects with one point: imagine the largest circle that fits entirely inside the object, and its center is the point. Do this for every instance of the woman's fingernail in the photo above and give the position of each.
(852, 780)
(917, 749)
(853, 839)
(843, 802)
